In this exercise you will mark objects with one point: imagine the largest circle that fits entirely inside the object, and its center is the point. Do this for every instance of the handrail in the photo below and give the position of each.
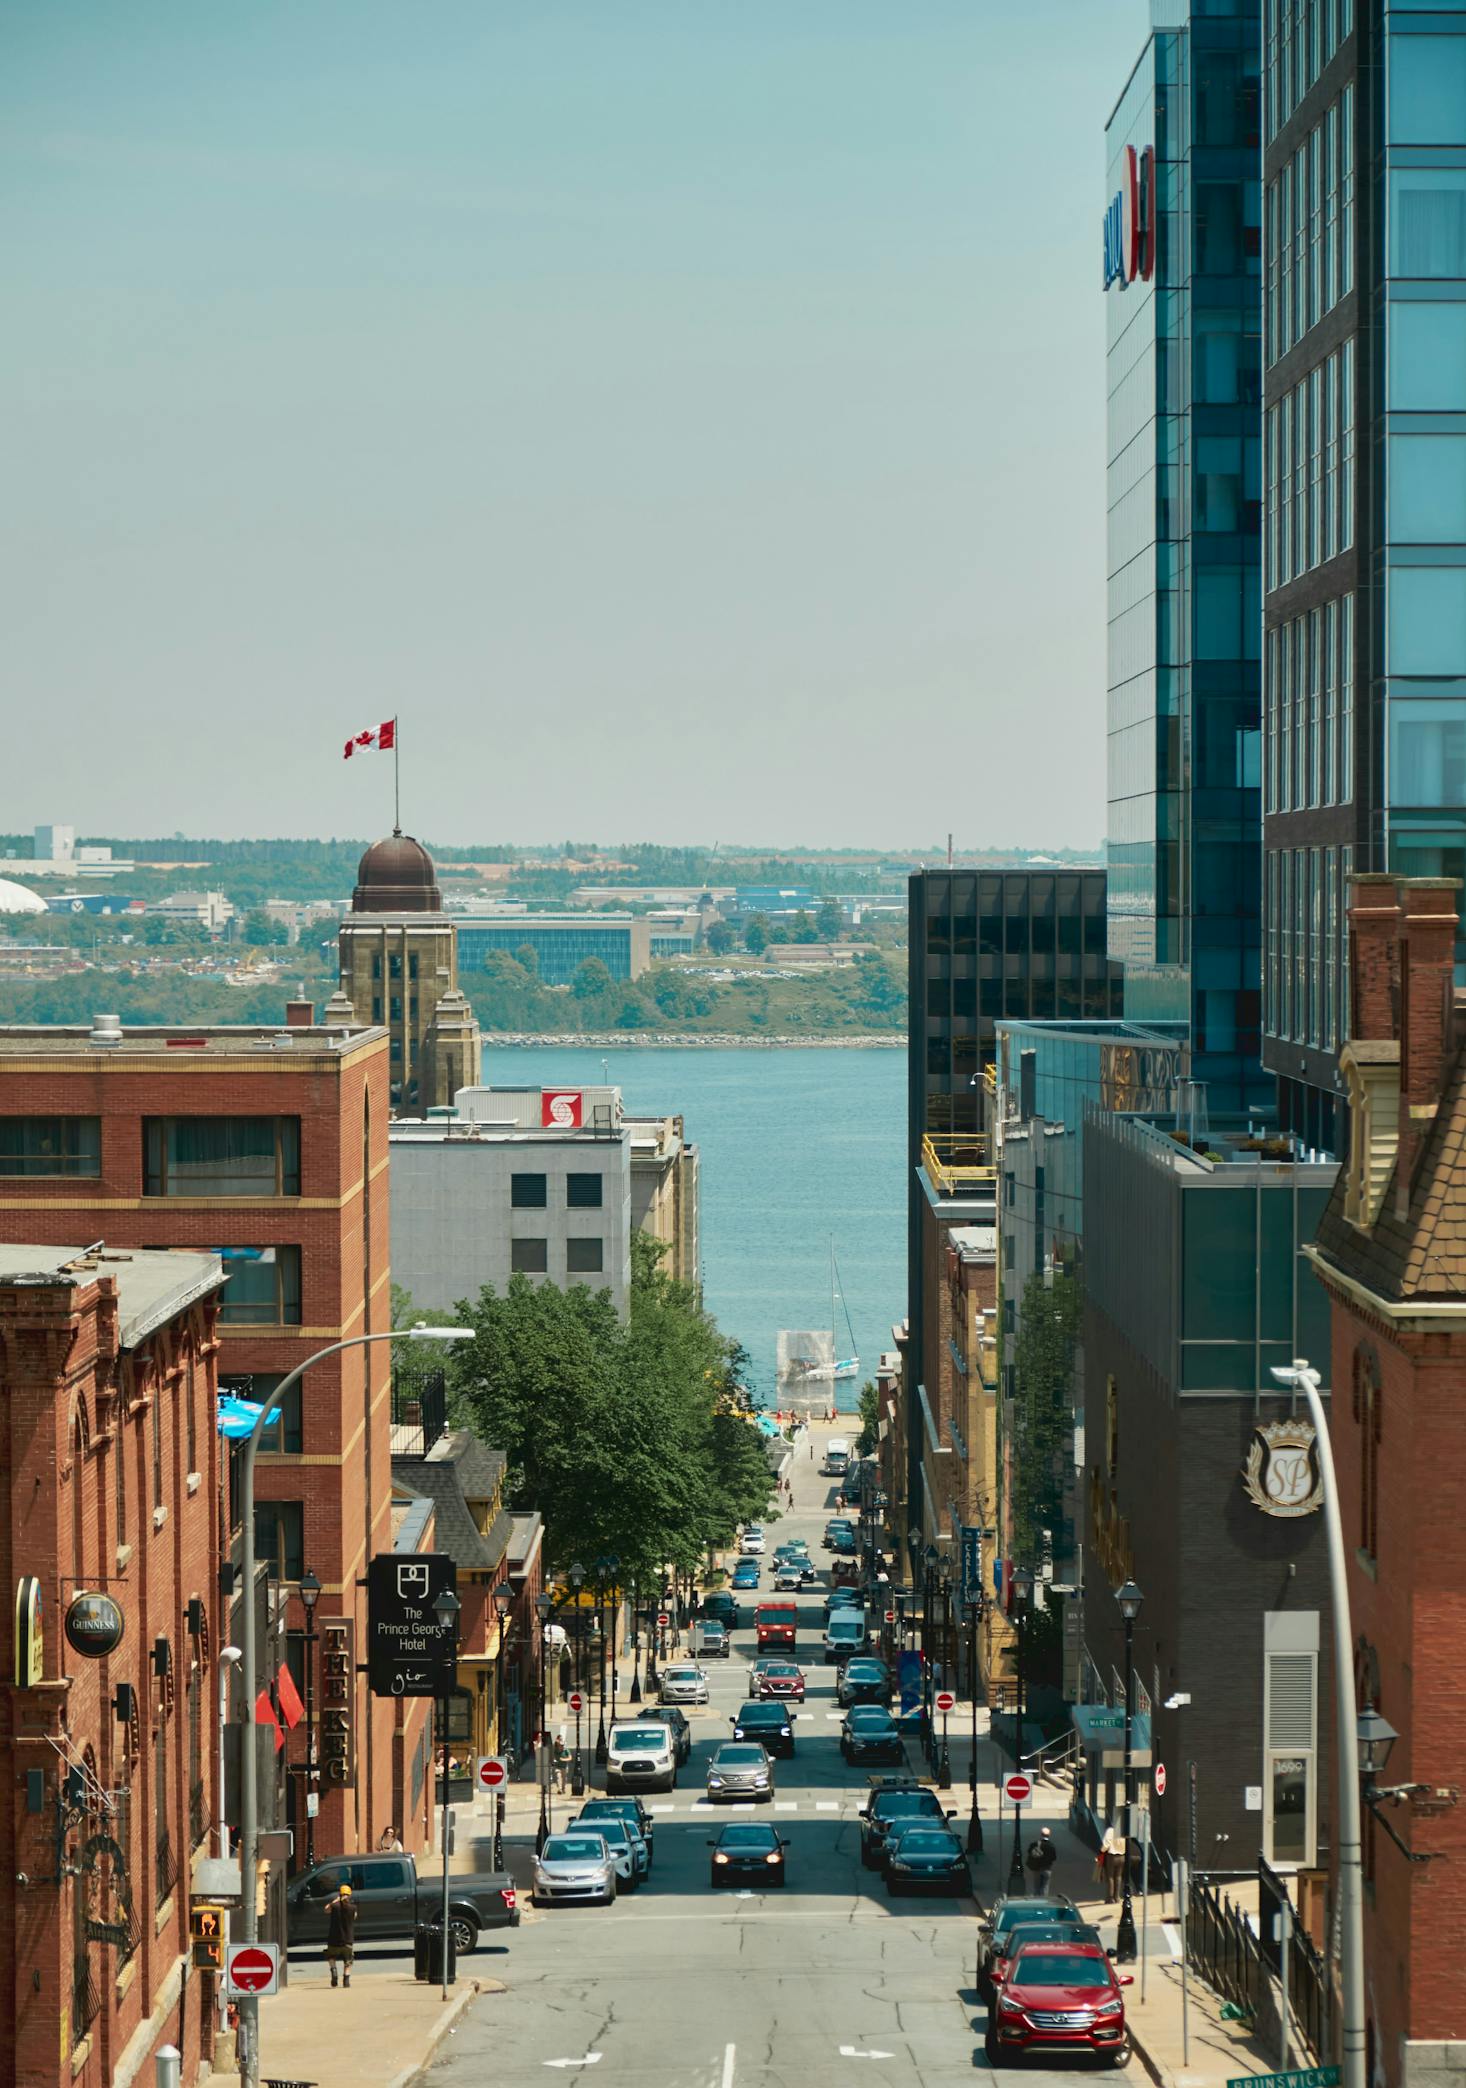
(1067, 1744)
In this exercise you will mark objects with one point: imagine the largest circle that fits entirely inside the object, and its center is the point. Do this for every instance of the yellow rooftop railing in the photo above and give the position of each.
(957, 1162)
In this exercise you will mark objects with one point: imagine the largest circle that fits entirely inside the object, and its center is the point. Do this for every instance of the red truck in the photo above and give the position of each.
(775, 1624)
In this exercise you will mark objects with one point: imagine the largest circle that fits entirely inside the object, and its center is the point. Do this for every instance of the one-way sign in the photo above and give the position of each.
(409, 1654)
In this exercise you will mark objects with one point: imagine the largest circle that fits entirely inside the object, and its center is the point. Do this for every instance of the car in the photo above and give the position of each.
(845, 1635)
(870, 1734)
(740, 1770)
(669, 1715)
(837, 1526)
(746, 1575)
(392, 1896)
(720, 1608)
(574, 1867)
(1059, 1997)
(710, 1638)
(895, 1798)
(790, 1575)
(642, 1756)
(996, 1937)
(751, 1543)
(631, 1810)
(684, 1683)
(628, 1848)
(920, 1853)
(863, 1682)
(768, 1722)
(747, 1850)
(777, 1678)
(843, 1599)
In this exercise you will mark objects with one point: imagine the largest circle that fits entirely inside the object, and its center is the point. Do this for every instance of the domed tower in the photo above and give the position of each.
(399, 965)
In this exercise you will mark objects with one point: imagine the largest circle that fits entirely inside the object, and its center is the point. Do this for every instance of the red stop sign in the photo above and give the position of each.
(576, 1702)
(250, 1969)
(945, 1700)
(1017, 1789)
(492, 1772)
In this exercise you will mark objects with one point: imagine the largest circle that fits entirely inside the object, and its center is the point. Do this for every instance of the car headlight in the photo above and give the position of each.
(719, 1857)
(1009, 2007)
(715, 1783)
(774, 1857)
(1113, 2006)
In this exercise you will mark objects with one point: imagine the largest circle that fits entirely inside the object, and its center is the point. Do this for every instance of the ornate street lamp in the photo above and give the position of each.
(635, 1648)
(544, 1605)
(310, 1595)
(973, 1607)
(503, 1603)
(445, 1608)
(1020, 1581)
(602, 1566)
(1129, 1599)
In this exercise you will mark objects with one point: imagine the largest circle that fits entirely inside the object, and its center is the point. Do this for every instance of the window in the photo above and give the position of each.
(527, 1192)
(1427, 78)
(1427, 355)
(1367, 1397)
(259, 1386)
(584, 1257)
(190, 1393)
(263, 1288)
(1290, 1723)
(157, 1404)
(50, 1145)
(583, 1192)
(280, 1538)
(1426, 620)
(1427, 489)
(221, 1156)
(530, 1257)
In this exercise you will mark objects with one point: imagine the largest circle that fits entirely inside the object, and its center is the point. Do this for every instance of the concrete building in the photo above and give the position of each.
(57, 854)
(109, 1513)
(399, 967)
(209, 910)
(513, 1180)
(561, 942)
(666, 1193)
(1389, 1251)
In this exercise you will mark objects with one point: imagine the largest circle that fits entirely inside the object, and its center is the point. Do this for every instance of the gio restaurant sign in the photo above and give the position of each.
(1281, 1474)
(1130, 221)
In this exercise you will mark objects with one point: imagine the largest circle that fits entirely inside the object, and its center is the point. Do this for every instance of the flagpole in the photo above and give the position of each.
(396, 780)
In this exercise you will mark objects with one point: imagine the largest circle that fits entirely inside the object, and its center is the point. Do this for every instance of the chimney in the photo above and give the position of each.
(1427, 1029)
(1374, 939)
(300, 1014)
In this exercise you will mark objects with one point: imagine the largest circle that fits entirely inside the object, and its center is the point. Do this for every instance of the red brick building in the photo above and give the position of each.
(109, 1488)
(269, 1148)
(1392, 1254)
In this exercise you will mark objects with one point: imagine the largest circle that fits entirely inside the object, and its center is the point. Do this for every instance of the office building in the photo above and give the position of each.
(110, 1552)
(268, 1149)
(1364, 113)
(1183, 295)
(512, 1181)
(561, 942)
(666, 1195)
(399, 968)
(56, 853)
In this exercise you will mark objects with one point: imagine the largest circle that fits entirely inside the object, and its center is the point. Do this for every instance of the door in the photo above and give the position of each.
(385, 1892)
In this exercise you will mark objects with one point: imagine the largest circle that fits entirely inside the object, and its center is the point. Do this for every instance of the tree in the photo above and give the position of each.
(829, 921)
(591, 980)
(756, 934)
(1043, 1408)
(527, 958)
(720, 938)
(260, 929)
(804, 929)
(869, 1437)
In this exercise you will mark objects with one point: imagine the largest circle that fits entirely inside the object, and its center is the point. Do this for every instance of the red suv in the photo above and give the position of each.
(1059, 1997)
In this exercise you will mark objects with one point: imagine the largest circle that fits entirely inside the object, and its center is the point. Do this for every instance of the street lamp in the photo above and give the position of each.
(310, 1595)
(1129, 1599)
(249, 1803)
(653, 1680)
(445, 1608)
(928, 1621)
(544, 1605)
(973, 1607)
(615, 1565)
(503, 1603)
(229, 1657)
(602, 1567)
(944, 1760)
(635, 1648)
(1020, 1580)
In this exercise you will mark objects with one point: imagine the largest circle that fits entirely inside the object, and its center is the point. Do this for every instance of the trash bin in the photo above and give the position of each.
(427, 1954)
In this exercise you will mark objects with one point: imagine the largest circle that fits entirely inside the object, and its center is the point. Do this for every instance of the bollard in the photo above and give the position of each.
(168, 2066)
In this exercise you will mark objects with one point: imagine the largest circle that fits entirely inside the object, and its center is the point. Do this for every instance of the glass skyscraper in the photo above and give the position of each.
(1182, 272)
(1364, 111)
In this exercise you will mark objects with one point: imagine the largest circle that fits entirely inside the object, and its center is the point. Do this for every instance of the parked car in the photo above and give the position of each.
(895, 1798)
(1059, 1997)
(631, 1810)
(863, 1682)
(669, 1715)
(740, 1770)
(629, 1851)
(710, 1639)
(919, 1853)
(748, 1851)
(684, 1684)
(392, 1897)
(574, 1867)
(767, 1722)
(778, 1678)
(837, 1526)
(997, 1937)
(642, 1756)
(870, 1734)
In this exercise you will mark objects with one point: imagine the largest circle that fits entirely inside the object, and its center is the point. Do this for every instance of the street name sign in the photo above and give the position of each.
(491, 1773)
(252, 1968)
(946, 1701)
(1301, 2077)
(1017, 1789)
(409, 1654)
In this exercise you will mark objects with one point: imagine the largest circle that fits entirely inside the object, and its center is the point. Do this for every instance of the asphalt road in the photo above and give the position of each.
(680, 1986)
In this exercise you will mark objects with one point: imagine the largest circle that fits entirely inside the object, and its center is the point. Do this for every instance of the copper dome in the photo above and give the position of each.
(396, 876)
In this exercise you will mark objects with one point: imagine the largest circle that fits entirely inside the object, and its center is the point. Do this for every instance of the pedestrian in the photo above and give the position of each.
(1040, 1858)
(562, 1763)
(341, 1934)
(811, 1450)
(391, 1842)
(1112, 1862)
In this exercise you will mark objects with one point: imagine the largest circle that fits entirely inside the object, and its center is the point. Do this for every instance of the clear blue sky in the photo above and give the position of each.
(688, 418)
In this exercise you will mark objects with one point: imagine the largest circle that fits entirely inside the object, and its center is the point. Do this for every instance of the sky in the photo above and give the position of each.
(686, 419)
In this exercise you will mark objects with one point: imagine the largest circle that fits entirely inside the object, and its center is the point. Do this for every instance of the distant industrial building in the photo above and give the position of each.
(209, 910)
(57, 855)
(561, 942)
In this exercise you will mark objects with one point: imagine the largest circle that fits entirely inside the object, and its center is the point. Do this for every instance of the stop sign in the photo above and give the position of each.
(1160, 1779)
(491, 1773)
(576, 1702)
(945, 1700)
(1017, 1789)
(253, 1968)
(663, 1620)
(890, 1616)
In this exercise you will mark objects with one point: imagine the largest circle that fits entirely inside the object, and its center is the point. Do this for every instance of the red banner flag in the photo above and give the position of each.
(265, 1715)
(291, 1707)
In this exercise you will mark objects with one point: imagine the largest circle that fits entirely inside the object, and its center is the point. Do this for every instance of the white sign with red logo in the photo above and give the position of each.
(663, 1620)
(561, 1109)
(1017, 1789)
(252, 1968)
(491, 1773)
(1160, 1779)
(575, 1702)
(946, 1701)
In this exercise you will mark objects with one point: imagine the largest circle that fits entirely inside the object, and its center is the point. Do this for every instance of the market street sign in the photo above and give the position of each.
(1301, 2077)
(409, 1653)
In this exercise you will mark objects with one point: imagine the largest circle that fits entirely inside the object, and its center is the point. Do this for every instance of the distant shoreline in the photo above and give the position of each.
(641, 1040)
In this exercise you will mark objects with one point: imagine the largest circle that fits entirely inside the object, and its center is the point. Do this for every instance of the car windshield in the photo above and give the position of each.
(738, 1757)
(712, 1629)
(1042, 1968)
(637, 1739)
(762, 1714)
(614, 1830)
(865, 1671)
(779, 1667)
(926, 1841)
(1018, 1916)
(609, 1809)
(575, 1848)
(687, 1674)
(895, 1803)
(747, 1838)
(867, 1717)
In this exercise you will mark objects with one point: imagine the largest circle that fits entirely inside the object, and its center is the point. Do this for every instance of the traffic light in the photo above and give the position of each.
(206, 1932)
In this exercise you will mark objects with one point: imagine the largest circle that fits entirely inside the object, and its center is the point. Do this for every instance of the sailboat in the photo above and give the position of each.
(808, 1372)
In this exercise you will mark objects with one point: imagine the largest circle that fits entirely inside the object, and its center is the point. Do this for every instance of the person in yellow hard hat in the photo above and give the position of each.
(341, 1934)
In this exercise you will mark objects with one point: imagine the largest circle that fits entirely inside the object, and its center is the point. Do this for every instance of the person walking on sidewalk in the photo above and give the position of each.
(341, 1934)
(1111, 1862)
(562, 1763)
(1040, 1859)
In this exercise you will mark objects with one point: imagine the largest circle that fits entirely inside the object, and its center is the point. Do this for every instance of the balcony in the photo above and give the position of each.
(957, 1163)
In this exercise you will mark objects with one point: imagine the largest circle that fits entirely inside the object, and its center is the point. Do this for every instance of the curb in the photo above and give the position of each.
(1161, 2075)
(459, 2005)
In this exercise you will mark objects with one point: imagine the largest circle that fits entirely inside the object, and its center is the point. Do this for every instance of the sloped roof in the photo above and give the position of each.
(1421, 1257)
(459, 1469)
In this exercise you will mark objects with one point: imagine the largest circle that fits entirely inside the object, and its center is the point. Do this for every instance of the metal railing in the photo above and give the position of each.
(198, 1815)
(165, 1869)
(957, 1162)
(1053, 1756)
(1310, 1992)
(1221, 1946)
(86, 2000)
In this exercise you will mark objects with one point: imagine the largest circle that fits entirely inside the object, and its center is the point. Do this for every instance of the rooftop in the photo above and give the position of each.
(153, 1283)
(106, 1036)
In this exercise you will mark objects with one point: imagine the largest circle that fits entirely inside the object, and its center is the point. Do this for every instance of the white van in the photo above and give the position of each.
(844, 1635)
(641, 1756)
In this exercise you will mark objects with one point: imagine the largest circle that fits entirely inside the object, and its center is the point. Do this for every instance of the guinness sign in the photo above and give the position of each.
(94, 1625)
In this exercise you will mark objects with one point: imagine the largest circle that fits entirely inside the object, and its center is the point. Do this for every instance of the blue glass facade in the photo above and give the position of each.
(559, 949)
(1184, 482)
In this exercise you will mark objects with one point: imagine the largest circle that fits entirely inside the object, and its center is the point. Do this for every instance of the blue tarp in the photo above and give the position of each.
(237, 1417)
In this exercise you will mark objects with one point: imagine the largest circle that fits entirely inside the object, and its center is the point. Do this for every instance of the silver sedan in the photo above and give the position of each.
(686, 1684)
(740, 1769)
(575, 1867)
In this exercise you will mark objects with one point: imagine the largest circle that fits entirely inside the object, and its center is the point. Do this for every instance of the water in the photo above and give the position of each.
(796, 1146)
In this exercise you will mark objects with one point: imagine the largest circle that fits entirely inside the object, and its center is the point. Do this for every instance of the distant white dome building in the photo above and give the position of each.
(15, 899)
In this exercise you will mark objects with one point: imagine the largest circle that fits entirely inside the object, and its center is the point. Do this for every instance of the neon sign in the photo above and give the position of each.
(1130, 221)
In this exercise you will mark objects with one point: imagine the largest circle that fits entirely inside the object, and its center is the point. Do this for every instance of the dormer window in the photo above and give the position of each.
(1372, 1071)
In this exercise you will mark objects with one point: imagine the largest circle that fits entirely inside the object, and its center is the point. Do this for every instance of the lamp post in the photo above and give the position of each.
(544, 1604)
(249, 1807)
(635, 1648)
(310, 1595)
(229, 1657)
(944, 1760)
(973, 1607)
(653, 1680)
(615, 1566)
(445, 1608)
(602, 1568)
(928, 1623)
(1129, 1598)
(577, 1771)
(503, 1603)
(1021, 1582)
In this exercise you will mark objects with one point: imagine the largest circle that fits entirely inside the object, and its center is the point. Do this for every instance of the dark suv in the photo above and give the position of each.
(669, 1715)
(894, 1798)
(770, 1723)
(720, 1608)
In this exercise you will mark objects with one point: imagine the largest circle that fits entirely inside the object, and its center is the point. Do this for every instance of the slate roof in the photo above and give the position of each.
(459, 1469)
(1423, 1256)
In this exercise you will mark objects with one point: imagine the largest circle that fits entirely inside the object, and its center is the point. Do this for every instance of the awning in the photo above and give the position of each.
(1101, 1732)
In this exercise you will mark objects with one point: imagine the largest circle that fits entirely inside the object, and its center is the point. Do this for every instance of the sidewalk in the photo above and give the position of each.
(379, 2034)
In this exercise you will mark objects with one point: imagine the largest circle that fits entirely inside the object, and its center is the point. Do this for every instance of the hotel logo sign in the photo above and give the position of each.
(1130, 221)
(1281, 1473)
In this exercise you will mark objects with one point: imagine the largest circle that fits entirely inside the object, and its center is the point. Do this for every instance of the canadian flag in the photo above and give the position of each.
(383, 739)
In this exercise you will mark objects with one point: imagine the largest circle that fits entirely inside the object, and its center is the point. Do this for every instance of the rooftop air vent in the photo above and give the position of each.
(106, 1029)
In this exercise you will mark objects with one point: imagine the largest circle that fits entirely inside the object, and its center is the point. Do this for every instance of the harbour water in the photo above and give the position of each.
(797, 1146)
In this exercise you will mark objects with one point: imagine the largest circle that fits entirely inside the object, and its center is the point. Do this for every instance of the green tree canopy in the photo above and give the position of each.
(829, 920)
(756, 934)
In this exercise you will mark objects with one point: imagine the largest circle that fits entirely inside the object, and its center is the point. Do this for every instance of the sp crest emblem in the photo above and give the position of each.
(1281, 1473)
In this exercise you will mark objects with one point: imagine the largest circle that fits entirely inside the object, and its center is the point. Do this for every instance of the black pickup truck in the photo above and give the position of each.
(392, 1896)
